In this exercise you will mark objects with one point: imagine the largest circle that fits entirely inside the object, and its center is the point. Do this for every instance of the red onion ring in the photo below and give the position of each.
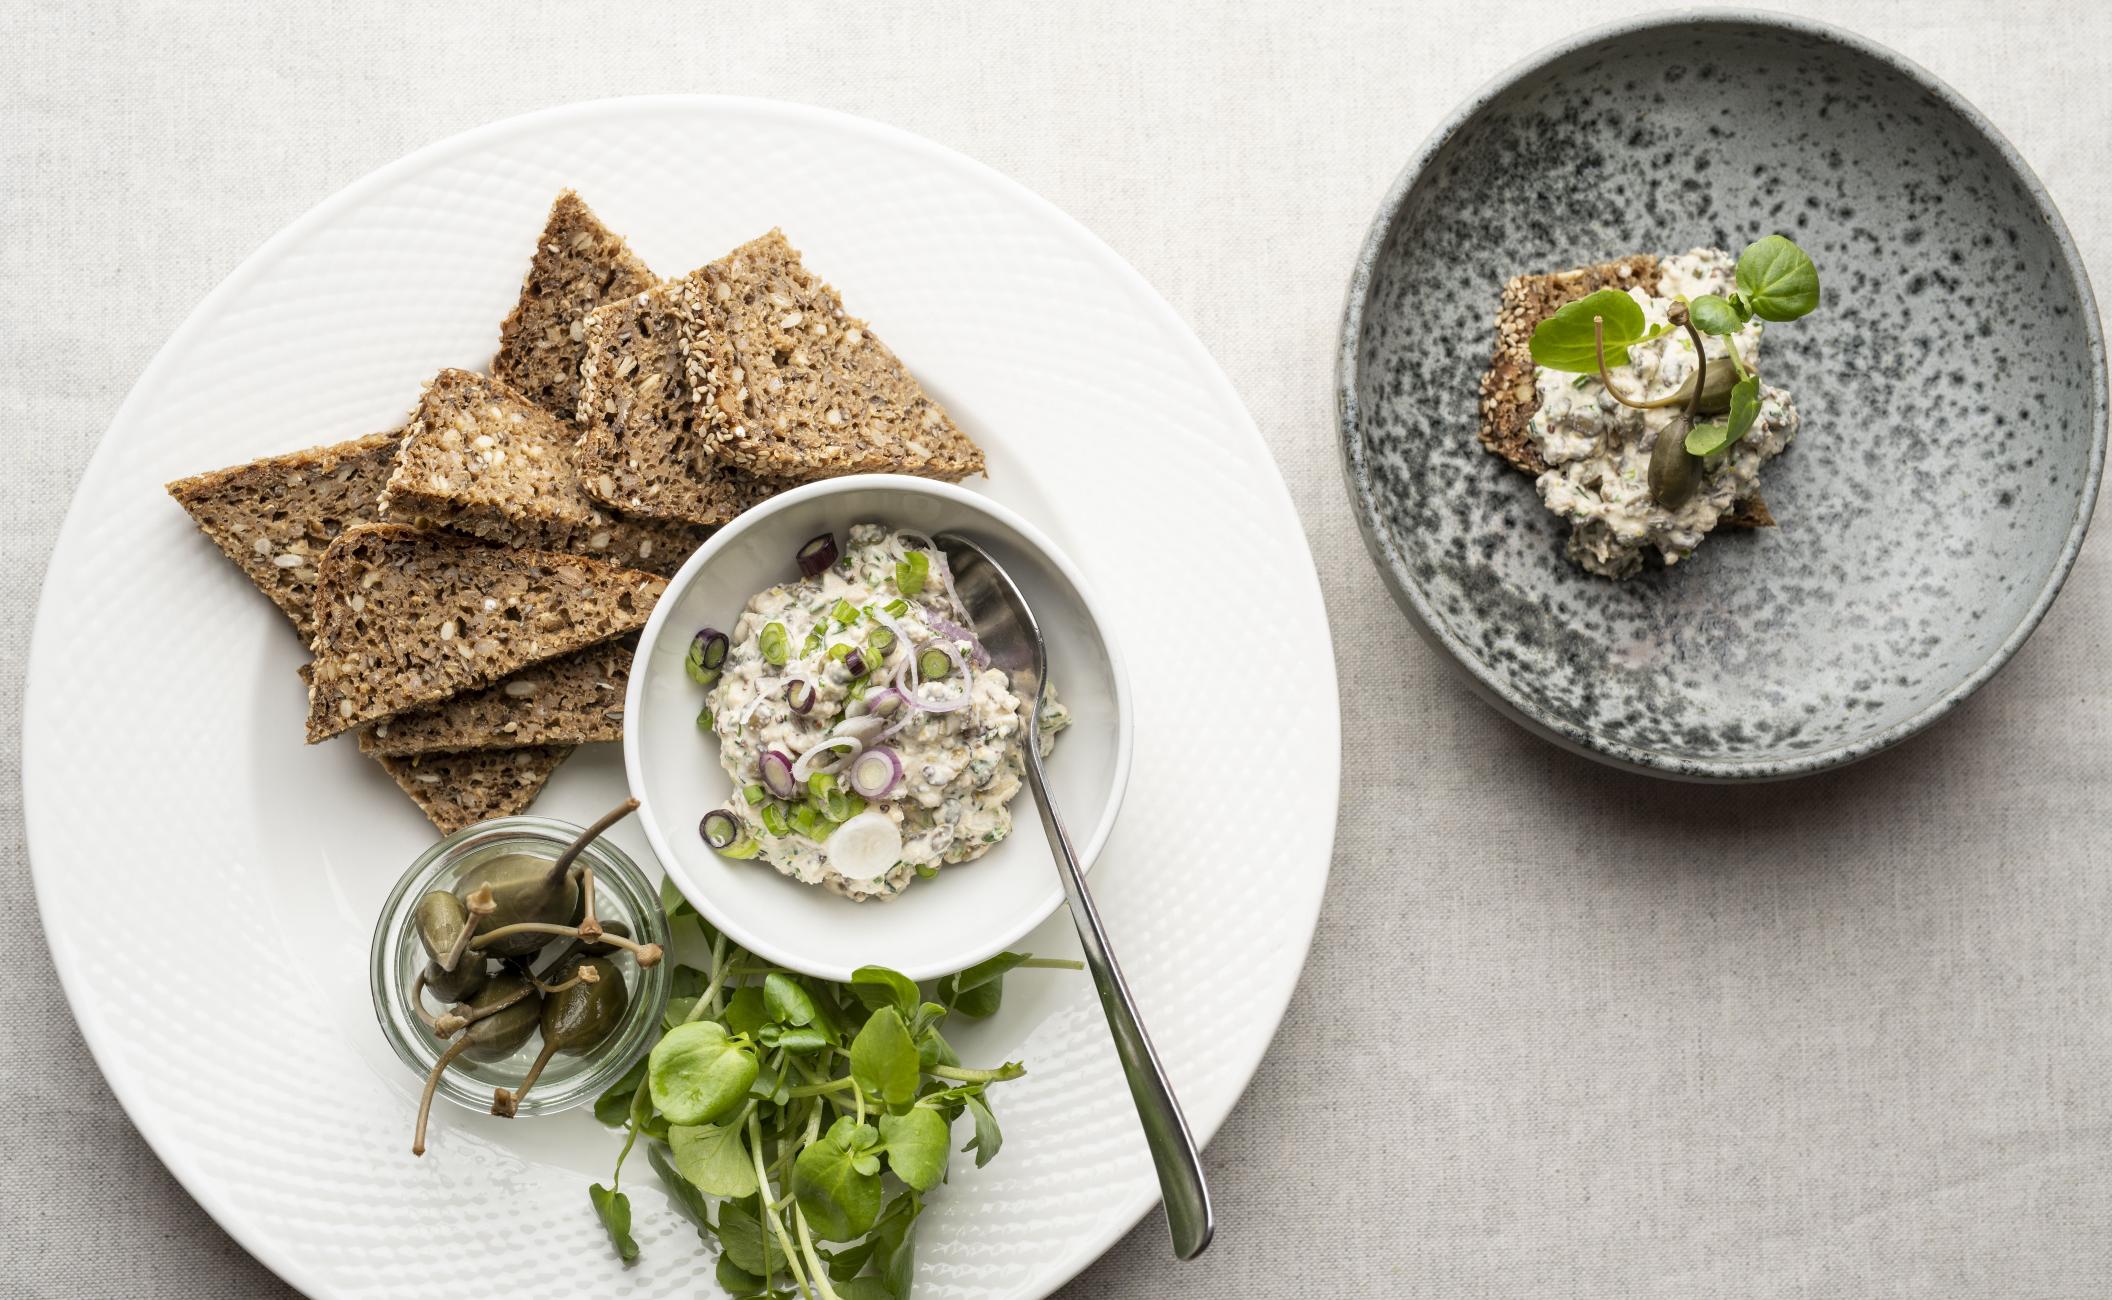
(778, 774)
(816, 555)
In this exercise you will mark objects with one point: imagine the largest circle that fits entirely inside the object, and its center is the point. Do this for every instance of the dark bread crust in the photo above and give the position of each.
(1508, 395)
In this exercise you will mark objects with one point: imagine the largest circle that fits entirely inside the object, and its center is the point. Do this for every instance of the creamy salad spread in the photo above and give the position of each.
(869, 740)
(1598, 450)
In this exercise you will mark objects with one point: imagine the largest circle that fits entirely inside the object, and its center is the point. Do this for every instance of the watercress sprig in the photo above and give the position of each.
(1776, 281)
(799, 1124)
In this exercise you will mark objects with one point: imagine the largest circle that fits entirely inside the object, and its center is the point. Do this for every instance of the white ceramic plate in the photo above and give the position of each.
(970, 911)
(178, 826)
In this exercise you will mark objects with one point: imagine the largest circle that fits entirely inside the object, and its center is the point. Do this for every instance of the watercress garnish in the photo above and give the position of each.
(800, 1124)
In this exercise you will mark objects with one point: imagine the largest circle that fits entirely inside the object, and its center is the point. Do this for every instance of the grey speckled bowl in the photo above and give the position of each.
(1952, 389)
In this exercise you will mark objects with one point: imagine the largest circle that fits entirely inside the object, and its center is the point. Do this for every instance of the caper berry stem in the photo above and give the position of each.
(1679, 315)
(586, 837)
(505, 1103)
(473, 1015)
(479, 904)
(648, 954)
(432, 1085)
(589, 924)
(586, 975)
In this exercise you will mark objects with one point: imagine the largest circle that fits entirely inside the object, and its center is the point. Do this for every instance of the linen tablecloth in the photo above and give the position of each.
(1564, 1032)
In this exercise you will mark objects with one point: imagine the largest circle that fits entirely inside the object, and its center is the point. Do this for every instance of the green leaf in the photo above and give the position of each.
(737, 1281)
(672, 902)
(1713, 315)
(916, 1146)
(987, 1138)
(1745, 408)
(698, 1074)
(612, 1106)
(688, 1200)
(884, 1060)
(745, 1012)
(746, 1241)
(864, 1288)
(714, 1158)
(846, 1263)
(877, 987)
(1778, 279)
(840, 1202)
(805, 1038)
(895, 1237)
(615, 1211)
(786, 1001)
(1564, 341)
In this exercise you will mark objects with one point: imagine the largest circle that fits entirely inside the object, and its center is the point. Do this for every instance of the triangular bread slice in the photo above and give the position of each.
(455, 791)
(481, 458)
(408, 616)
(1509, 397)
(794, 386)
(275, 517)
(575, 699)
(641, 448)
(579, 264)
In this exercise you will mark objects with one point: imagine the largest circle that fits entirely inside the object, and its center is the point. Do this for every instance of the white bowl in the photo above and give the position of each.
(969, 911)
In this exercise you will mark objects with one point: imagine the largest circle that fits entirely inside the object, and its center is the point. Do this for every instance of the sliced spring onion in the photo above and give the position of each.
(754, 794)
(705, 719)
(818, 554)
(897, 607)
(876, 772)
(925, 871)
(844, 612)
(812, 643)
(910, 574)
(809, 821)
(777, 774)
(720, 829)
(772, 815)
(775, 644)
(880, 640)
(707, 654)
(801, 695)
(933, 665)
(854, 662)
(820, 784)
(828, 754)
(866, 847)
(742, 848)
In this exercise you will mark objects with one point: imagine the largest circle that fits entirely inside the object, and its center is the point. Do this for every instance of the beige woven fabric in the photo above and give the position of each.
(1565, 1033)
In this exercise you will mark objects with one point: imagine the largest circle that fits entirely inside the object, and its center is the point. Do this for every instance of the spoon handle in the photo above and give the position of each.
(1173, 1153)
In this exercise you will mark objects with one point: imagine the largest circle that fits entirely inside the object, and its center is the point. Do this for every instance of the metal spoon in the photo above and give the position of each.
(1009, 633)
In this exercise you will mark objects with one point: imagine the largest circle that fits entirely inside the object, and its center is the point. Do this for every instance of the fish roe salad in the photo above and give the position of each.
(869, 739)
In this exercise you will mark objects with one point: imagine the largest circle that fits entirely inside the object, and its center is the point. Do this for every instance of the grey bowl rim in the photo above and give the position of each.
(1392, 565)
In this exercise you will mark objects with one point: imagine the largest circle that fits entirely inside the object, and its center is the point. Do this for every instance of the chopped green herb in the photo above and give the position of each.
(772, 815)
(844, 612)
(911, 572)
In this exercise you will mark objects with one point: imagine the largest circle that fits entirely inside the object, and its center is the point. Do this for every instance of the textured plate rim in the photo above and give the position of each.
(1393, 565)
(41, 843)
(999, 938)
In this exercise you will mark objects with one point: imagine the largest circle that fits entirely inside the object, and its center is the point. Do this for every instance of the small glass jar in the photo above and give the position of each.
(621, 893)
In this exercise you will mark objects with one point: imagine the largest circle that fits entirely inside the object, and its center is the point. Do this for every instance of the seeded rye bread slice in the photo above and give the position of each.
(459, 790)
(275, 517)
(294, 505)
(574, 699)
(1508, 395)
(481, 458)
(579, 264)
(793, 386)
(641, 448)
(408, 616)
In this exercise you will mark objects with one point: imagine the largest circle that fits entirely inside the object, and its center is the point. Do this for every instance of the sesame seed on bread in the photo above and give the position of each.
(480, 458)
(574, 699)
(579, 264)
(641, 450)
(456, 791)
(791, 385)
(1509, 397)
(276, 516)
(408, 616)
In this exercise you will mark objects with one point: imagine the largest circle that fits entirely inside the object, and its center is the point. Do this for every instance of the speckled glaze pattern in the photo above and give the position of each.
(1952, 389)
